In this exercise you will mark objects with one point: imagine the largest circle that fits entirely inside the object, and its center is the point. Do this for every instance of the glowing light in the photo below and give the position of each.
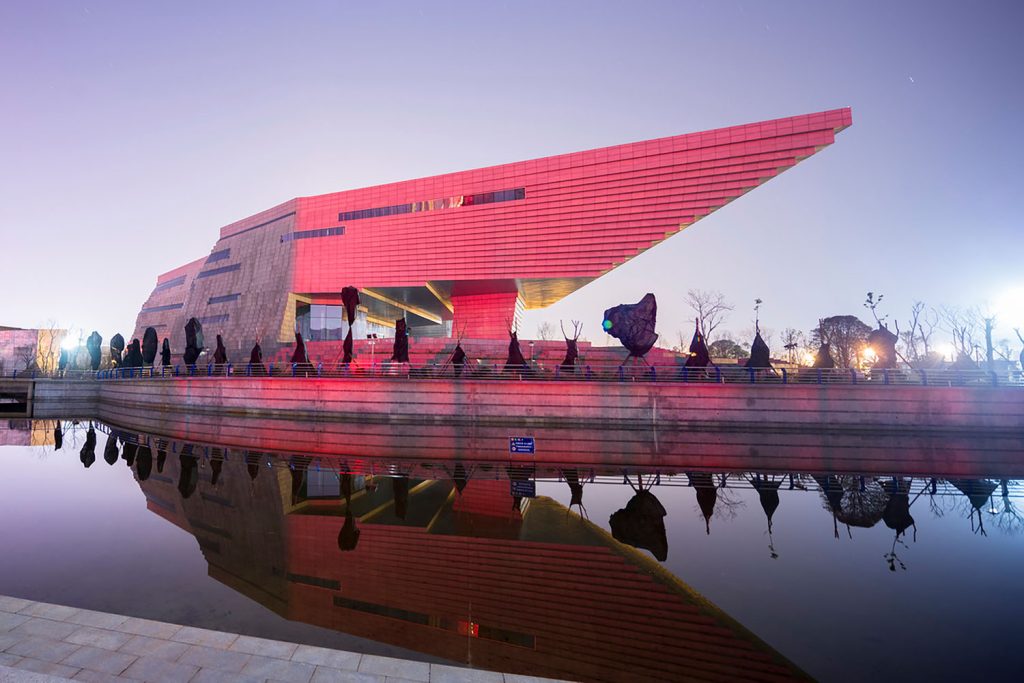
(607, 325)
(1009, 307)
(808, 358)
(947, 350)
(869, 355)
(72, 340)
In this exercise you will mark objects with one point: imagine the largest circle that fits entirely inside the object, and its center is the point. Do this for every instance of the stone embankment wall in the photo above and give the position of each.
(560, 404)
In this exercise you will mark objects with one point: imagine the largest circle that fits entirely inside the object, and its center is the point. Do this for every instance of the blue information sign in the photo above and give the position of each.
(524, 489)
(521, 444)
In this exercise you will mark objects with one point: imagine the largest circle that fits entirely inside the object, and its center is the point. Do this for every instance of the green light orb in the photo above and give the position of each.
(607, 324)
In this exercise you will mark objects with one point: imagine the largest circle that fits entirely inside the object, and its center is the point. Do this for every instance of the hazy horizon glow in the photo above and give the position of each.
(132, 132)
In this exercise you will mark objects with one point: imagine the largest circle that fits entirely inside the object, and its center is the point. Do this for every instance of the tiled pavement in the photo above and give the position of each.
(43, 642)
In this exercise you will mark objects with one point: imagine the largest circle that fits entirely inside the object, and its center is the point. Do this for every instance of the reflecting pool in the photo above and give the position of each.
(838, 558)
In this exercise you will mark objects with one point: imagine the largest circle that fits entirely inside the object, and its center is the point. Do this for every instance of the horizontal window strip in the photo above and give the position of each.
(166, 307)
(218, 256)
(435, 204)
(223, 298)
(307, 234)
(222, 318)
(261, 225)
(209, 528)
(217, 271)
(176, 282)
(315, 581)
(381, 610)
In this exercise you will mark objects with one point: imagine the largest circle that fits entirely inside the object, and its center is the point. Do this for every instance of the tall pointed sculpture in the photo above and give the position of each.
(134, 358)
(194, 341)
(633, 325)
(165, 353)
(515, 360)
(149, 345)
(256, 367)
(572, 349)
(883, 343)
(400, 354)
(116, 348)
(88, 453)
(299, 356)
(94, 345)
(760, 355)
(350, 299)
(699, 356)
(220, 355)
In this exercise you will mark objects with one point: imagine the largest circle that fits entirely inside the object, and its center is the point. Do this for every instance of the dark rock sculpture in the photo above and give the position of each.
(133, 358)
(220, 354)
(400, 354)
(699, 356)
(58, 436)
(641, 523)
(767, 488)
(348, 537)
(633, 325)
(760, 355)
(823, 358)
(93, 344)
(194, 341)
(116, 347)
(897, 510)
(165, 353)
(161, 456)
(572, 349)
(350, 299)
(110, 453)
(88, 453)
(458, 359)
(883, 343)
(149, 345)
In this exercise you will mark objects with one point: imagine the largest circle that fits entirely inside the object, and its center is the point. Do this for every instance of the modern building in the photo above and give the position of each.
(465, 253)
(29, 349)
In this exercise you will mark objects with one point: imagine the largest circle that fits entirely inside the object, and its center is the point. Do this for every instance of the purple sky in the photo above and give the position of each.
(133, 131)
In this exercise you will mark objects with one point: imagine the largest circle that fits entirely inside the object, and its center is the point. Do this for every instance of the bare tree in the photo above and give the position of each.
(711, 309)
(792, 340)
(966, 326)
(546, 331)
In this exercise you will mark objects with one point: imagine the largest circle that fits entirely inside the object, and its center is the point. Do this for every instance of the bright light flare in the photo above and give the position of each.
(72, 340)
(869, 355)
(1009, 307)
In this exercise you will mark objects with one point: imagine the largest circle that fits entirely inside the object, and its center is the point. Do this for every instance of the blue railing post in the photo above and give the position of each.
(588, 372)
(320, 369)
(175, 370)
(230, 369)
(924, 378)
(785, 376)
(558, 371)
(885, 376)
(819, 375)
(248, 369)
(622, 374)
(209, 370)
(750, 371)
(853, 375)
(995, 379)
(685, 373)
(718, 374)
(654, 374)
(293, 369)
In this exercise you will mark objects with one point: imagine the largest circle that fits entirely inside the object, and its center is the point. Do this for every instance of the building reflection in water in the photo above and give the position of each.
(456, 567)
(458, 560)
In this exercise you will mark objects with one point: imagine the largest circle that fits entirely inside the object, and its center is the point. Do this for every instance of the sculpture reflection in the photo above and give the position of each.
(641, 523)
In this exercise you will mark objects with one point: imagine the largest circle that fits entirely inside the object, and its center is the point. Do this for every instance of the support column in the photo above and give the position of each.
(485, 316)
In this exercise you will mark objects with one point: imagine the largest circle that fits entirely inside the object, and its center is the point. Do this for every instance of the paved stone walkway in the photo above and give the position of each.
(44, 642)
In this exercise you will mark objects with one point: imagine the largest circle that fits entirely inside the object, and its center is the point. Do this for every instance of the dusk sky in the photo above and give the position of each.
(133, 131)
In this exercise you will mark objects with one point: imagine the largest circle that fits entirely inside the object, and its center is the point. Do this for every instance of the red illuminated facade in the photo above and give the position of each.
(469, 251)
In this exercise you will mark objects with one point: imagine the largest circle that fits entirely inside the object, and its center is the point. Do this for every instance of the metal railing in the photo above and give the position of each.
(586, 373)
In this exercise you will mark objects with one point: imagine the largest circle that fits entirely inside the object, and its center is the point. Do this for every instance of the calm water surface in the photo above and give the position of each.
(589, 571)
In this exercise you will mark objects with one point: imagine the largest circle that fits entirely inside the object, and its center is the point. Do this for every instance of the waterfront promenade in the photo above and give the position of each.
(62, 643)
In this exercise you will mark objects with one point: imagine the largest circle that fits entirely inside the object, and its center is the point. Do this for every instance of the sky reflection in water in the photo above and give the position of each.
(841, 602)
